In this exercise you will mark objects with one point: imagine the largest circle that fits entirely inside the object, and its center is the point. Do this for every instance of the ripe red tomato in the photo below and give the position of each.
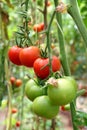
(14, 110)
(41, 26)
(18, 82)
(13, 55)
(42, 69)
(48, 3)
(12, 80)
(18, 123)
(37, 28)
(29, 55)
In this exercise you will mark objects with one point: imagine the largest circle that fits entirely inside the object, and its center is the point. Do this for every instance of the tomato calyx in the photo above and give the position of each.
(53, 82)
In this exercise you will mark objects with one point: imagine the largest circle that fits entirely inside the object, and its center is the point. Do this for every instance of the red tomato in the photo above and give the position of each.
(18, 82)
(37, 28)
(14, 110)
(41, 26)
(29, 55)
(12, 80)
(42, 69)
(48, 3)
(13, 55)
(18, 123)
(62, 108)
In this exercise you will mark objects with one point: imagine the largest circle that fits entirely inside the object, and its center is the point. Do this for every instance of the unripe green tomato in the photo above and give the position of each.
(43, 107)
(64, 92)
(73, 81)
(32, 90)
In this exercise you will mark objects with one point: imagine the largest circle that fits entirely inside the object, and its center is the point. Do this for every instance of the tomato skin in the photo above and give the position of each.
(12, 80)
(18, 82)
(13, 54)
(29, 55)
(14, 110)
(73, 81)
(32, 90)
(18, 123)
(40, 68)
(63, 93)
(42, 107)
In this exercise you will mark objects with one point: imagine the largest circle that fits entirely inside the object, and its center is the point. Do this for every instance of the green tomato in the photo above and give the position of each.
(43, 107)
(32, 90)
(73, 81)
(64, 91)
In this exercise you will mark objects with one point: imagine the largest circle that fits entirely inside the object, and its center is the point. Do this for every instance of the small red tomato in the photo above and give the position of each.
(62, 108)
(48, 3)
(18, 82)
(41, 66)
(37, 28)
(18, 123)
(41, 26)
(29, 55)
(12, 80)
(65, 107)
(13, 54)
(14, 110)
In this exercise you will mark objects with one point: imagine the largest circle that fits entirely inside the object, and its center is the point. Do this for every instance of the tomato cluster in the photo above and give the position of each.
(60, 92)
(31, 57)
(15, 82)
(55, 92)
(23, 56)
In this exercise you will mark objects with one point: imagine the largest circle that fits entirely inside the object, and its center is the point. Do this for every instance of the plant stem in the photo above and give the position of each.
(73, 10)
(26, 9)
(9, 97)
(22, 106)
(62, 44)
(45, 14)
(64, 59)
(48, 41)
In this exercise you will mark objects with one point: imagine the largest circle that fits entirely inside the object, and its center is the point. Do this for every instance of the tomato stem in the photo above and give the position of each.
(80, 92)
(64, 59)
(22, 104)
(9, 88)
(73, 10)
(48, 41)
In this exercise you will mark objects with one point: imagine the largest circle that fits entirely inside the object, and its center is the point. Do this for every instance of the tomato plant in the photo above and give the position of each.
(32, 90)
(42, 107)
(64, 91)
(13, 54)
(28, 55)
(42, 69)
